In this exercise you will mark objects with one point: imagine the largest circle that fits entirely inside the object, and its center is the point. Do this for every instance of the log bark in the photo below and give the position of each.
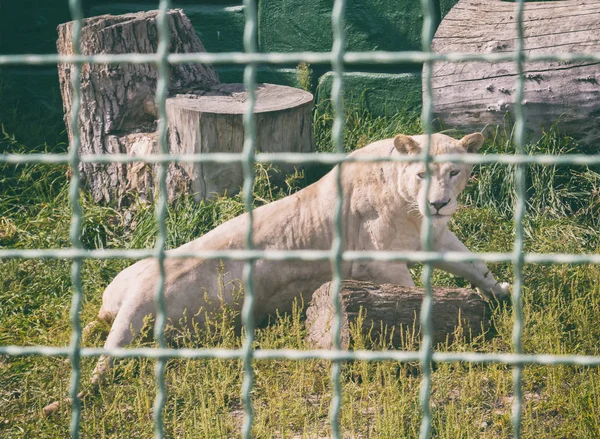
(473, 94)
(393, 311)
(212, 121)
(118, 111)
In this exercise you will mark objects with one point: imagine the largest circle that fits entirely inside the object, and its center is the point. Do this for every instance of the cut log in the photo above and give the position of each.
(211, 121)
(118, 100)
(473, 94)
(118, 111)
(394, 309)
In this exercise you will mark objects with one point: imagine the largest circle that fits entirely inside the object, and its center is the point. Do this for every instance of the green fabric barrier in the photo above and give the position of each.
(382, 94)
(220, 28)
(297, 25)
(30, 27)
(268, 75)
(446, 5)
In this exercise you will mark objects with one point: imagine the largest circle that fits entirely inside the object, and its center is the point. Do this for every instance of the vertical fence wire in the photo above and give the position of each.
(250, 46)
(76, 221)
(426, 228)
(337, 56)
(162, 22)
(518, 261)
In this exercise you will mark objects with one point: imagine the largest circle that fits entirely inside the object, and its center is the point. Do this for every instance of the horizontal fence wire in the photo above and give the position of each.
(305, 255)
(301, 158)
(314, 354)
(349, 58)
(336, 58)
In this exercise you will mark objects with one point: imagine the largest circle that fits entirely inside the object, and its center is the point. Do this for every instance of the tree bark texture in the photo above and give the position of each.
(394, 309)
(118, 111)
(470, 95)
(212, 121)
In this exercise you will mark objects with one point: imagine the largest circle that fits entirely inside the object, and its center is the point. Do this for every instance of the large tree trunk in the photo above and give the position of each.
(118, 111)
(205, 122)
(473, 94)
(394, 310)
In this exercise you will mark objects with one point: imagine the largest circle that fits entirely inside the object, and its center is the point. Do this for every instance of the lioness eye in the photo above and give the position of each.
(421, 175)
(454, 173)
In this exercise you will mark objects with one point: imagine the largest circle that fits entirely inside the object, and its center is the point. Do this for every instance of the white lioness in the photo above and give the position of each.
(383, 210)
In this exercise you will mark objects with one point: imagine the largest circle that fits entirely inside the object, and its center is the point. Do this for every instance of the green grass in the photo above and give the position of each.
(291, 398)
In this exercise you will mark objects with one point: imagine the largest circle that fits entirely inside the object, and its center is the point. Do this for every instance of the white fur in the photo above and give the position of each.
(383, 209)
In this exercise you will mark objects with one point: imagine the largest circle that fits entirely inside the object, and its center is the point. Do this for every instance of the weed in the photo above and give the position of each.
(304, 76)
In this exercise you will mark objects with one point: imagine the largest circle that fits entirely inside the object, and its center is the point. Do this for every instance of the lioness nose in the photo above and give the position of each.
(439, 204)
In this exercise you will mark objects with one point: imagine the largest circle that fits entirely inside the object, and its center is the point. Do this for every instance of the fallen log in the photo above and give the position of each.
(471, 95)
(394, 309)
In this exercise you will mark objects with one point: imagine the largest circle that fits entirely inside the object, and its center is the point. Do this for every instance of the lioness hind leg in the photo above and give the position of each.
(95, 329)
(127, 324)
(88, 330)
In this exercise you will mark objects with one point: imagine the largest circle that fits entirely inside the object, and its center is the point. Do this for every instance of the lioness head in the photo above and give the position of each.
(447, 179)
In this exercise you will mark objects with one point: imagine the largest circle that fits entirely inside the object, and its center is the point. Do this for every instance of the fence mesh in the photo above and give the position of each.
(337, 58)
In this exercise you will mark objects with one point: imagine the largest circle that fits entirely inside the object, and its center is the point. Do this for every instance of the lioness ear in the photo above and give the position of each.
(406, 145)
(472, 142)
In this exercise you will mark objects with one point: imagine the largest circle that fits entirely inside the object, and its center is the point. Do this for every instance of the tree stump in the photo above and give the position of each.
(212, 121)
(394, 309)
(118, 111)
(473, 94)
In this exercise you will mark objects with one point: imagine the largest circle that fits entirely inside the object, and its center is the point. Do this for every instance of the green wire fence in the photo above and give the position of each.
(337, 58)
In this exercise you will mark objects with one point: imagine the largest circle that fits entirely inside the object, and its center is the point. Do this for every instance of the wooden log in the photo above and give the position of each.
(473, 94)
(396, 309)
(118, 100)
(211, 121)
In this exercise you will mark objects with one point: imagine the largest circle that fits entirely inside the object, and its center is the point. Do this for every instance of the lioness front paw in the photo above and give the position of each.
(500, 292)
